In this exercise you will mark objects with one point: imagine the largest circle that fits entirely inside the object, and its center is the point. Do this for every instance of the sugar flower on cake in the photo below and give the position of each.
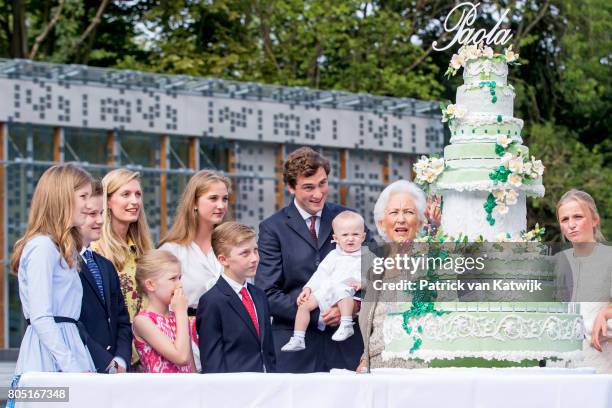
(515, 180)
(421, 165)
(510, 55)
(428, 169)
(527, 167)
(503, 140)
(457, 61)
(499, 195)
(437, 165)
(535, 235)
(487, 52)
(511, 197)
(472, 52)
(537, 167)
(452, 111)
(502, 208)
(516, 165)
(505, 159)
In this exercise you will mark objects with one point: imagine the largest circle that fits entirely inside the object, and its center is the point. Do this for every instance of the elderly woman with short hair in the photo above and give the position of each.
(399, 213)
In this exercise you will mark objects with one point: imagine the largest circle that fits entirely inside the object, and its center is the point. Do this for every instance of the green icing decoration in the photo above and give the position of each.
(500, 174)
(416, 345)
(489, 205)
(499, 118)
(494, 99)
(499, 149)
(423, 300)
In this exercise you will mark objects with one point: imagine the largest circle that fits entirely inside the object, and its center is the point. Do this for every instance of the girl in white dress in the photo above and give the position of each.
(203, 206)
(45, 259)
(591, 267)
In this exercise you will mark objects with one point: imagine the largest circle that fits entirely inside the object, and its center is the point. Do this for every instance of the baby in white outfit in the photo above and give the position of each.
(335, 281)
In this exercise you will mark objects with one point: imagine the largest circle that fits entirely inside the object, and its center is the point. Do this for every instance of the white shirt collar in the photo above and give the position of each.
(234, 285)
(83, 252)
(305, 214)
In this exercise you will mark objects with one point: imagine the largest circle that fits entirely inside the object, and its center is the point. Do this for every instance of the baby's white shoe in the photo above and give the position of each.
(294, 344)
(344, 332)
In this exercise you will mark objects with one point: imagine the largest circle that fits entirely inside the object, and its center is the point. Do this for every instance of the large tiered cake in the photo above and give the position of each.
(484, 178)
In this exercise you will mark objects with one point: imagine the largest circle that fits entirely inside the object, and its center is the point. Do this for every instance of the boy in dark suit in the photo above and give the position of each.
(233, 317)
(292, 243)
(103, 311)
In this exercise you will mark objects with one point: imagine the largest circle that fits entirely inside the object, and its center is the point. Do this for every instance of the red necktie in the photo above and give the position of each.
(313, 229)
(248, 304)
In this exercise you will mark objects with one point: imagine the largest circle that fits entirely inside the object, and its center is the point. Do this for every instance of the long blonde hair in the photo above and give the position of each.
(151, 264)
(51, 212)
(185, 225)
(583, 198)
(110, 245)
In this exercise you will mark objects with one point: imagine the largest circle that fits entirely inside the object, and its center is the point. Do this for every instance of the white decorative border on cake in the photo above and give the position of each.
(514, 356)
(536, 190)
(458, 325)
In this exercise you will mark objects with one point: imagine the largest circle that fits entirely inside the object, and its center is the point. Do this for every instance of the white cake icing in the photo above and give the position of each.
(477, 100)
(457, 219)
(473, 70)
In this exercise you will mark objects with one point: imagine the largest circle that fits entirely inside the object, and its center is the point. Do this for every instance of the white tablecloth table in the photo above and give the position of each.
(456, 388)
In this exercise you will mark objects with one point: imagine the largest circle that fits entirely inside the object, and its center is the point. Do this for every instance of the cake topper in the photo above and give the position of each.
(465, 34)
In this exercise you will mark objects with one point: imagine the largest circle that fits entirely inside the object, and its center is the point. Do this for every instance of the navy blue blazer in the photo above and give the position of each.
(228, 340)
(106, 321)
(288, 258)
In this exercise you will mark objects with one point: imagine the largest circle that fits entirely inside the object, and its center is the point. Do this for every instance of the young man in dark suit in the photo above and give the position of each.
(292, 243)
(103, 312)
(233, 317)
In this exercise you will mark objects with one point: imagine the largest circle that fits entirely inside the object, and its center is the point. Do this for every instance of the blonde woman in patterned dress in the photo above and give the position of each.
(125, 233)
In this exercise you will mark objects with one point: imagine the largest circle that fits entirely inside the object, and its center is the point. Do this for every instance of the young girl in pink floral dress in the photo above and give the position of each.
(161, 329)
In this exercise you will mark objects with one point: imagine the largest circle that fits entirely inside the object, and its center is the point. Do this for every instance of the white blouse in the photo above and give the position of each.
(200, 271)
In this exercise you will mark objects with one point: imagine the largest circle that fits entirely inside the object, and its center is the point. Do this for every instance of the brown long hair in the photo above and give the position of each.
(185, 225)
(109, 244)
(51, 212)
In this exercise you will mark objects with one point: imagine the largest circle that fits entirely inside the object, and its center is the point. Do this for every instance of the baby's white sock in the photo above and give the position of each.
(346, 320)
(299, 334)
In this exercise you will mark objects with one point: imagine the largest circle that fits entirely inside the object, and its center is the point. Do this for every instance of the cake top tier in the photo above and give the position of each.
(485, 69)
(481, 63)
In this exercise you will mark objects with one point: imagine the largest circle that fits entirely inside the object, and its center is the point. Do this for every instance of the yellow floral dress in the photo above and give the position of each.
(127, 279)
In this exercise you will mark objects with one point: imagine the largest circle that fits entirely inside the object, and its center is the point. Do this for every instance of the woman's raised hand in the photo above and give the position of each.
(433, 212)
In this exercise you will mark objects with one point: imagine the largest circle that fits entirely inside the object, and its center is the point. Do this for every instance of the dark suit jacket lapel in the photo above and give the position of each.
(297, 223)
(92, 282)
(325, 227)
(237, 305)
(259, 307)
